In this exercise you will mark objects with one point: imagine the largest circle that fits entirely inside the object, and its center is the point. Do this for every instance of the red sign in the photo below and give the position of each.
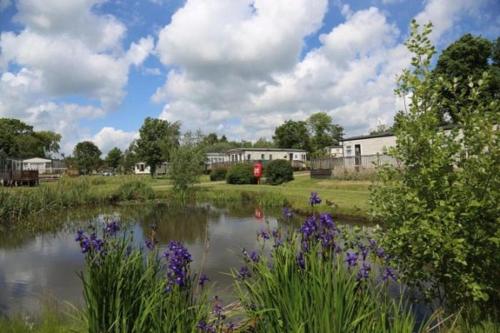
(257, 170)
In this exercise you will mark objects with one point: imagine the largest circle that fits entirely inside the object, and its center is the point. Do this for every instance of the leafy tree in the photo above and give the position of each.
(87, 157)
(292, 134)
(278, 172)
(18, 139)
(114, 158)
(186, 166)
(211, 139)
(263, 143)
(157, 139)
(323, 131)
(440, 210)
(381, 129)
(129, 158)
(466, 58)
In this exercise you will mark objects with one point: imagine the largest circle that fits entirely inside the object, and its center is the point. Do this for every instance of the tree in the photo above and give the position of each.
(129, 158)
(381, 129)
(157, 139)
(114, 158)
(440, 210)
(18, 139)
(292, 134)
(323, 131)
(186, 166)
(468, 57)
(87, 157)
(263, 143)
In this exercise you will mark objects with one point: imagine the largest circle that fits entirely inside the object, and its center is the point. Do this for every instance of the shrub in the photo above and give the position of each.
(218, 174)
(135, 190)
(440, 211)
(278, 172)
(185, 167)
(240, 174)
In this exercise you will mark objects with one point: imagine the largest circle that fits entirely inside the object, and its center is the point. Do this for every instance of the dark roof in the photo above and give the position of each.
(360, 137)
(267, 149)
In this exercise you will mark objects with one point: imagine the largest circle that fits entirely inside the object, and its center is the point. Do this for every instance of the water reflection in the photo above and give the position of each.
(41, 257)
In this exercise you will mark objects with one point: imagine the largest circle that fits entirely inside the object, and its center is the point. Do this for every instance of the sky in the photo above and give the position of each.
(94, 69)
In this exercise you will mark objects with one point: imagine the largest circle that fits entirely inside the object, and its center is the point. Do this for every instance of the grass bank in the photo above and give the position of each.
(340, 197)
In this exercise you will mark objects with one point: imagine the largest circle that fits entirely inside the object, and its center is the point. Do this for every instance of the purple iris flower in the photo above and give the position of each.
(373, 242)
(80, 235)
(112, 228)
(85, 245)
(300, 260)
(203, 279)
(364, 250)
(178, 259)
(254, 256)
(314, 199)
(263, 234)
(364, 271)
(327, 220)
(218, 308)
(351, 259)
(287, 213)
(309, 227)
(150, 244)
(205, 327)
(380, 253)
(244, 273)
(389, 274)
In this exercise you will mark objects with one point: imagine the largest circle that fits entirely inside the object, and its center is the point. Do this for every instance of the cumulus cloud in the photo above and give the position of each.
(110, 137)
(236, 64)
(65, 50)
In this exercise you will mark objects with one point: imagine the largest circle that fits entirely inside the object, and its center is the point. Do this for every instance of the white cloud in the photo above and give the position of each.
(236, 66)
(109, 137)
(65, 50)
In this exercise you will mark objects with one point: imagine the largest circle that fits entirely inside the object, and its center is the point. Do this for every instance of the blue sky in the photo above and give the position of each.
(94, 69)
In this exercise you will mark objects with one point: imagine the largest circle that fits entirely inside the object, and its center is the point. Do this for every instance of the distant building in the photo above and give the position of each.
(335, 151)
(141, 168)
(42, 165)
(363, 145)
(212, 158)
(295, 156)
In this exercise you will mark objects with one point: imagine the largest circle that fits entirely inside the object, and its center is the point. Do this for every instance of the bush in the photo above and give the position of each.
(135, 190)
(278, 172)
(241, 174)
(218, 174)
(185, 167)
(440, 211)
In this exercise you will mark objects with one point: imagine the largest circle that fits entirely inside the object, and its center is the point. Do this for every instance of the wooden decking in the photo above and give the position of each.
(19, 178)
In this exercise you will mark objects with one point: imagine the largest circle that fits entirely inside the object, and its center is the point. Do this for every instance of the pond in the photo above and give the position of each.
(41, 259)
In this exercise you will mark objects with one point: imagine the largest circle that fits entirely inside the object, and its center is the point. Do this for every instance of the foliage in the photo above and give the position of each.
(129, 158)
(329, 283)
(114, 158)
(382, 129)
(278, 172)
(440, 211)
(87, 157)
(218, 174)
(240, 174)
(292, 134)
(18, 139)
(135, 190)
(157, 139)
(186, 166)
(263, 143)
(125, 289)
(49, 321)
(323, 131)
(465, 59)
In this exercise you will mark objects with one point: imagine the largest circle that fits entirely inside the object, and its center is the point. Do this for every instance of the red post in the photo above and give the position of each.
(257, 171)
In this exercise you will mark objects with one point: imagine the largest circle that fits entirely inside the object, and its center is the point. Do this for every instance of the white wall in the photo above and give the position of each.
(369, 146)
(335, 151)
(266, 155)
(142, 171)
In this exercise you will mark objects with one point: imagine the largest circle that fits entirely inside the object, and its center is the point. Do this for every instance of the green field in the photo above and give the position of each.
(340, 197)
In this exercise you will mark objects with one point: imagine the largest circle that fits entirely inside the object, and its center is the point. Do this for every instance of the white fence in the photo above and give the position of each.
(353, 162)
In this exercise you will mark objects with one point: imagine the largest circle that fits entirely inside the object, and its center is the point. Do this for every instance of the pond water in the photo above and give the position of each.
(41, 259)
